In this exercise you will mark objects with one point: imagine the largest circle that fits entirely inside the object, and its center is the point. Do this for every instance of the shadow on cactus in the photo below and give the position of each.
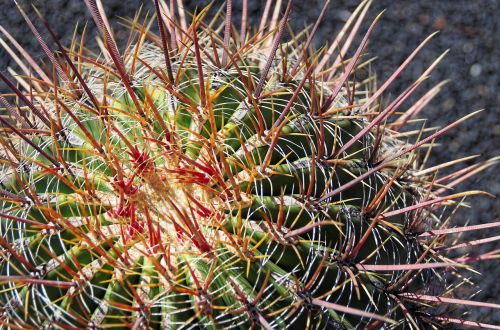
(218, 176)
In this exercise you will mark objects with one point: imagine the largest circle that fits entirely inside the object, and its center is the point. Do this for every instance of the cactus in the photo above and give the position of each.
(208, 177)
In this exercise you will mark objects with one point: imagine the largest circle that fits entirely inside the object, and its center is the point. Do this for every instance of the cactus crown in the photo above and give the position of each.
(217, 179)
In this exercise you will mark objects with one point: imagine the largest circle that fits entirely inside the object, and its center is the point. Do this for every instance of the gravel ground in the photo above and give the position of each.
(468, 28)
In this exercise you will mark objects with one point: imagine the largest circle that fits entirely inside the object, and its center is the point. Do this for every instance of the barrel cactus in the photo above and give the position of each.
(214, 177)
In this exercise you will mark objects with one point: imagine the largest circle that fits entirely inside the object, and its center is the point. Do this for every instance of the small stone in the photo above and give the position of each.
(439, 23)
(475, 69)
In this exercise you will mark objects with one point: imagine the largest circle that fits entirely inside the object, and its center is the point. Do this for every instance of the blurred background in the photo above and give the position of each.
(469, 29)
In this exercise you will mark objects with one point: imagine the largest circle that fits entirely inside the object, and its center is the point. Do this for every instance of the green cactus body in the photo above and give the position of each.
(197, 203)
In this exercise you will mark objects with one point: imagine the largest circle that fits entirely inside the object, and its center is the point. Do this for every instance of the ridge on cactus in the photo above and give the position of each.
(215, 175)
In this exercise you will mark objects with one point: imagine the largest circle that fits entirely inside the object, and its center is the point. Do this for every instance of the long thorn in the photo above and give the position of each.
(270, 59)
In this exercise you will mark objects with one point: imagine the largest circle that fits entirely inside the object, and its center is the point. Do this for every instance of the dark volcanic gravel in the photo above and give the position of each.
(470, 29)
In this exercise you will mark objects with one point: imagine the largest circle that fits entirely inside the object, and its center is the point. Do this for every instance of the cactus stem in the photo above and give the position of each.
(205, 178)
